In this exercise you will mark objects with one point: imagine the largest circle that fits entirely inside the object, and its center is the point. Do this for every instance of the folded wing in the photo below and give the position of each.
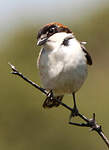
(88, 57)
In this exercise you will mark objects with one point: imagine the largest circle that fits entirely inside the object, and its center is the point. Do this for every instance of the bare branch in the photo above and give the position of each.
(91, 123)
(16, 72)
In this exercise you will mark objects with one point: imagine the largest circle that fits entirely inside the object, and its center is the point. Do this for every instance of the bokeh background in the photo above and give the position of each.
(24, 124)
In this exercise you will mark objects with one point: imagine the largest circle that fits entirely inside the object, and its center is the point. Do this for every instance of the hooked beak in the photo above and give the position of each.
(42, 41)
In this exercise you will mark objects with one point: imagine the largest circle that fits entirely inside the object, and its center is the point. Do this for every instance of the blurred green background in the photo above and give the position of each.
(24, 124)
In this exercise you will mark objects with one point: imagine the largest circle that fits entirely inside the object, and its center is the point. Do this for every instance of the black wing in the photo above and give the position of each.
(88, 57)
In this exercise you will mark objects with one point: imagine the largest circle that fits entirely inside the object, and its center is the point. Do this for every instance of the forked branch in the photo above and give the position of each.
(91, 123)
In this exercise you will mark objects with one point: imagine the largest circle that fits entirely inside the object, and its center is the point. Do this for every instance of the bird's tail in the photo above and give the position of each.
(49, 103)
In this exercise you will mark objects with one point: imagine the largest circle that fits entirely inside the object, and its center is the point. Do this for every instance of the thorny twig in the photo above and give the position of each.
(91, 123)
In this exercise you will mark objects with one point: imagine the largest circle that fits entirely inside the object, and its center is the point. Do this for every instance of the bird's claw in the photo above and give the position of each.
(50, 94)
(74, 113)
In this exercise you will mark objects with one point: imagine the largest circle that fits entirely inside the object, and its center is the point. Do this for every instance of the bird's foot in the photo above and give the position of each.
(74, 113)
(50, 94)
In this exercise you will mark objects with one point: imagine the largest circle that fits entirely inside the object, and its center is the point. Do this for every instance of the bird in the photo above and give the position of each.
(62, 62)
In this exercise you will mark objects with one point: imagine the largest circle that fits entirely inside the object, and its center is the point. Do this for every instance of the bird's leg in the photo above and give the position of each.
(75, 111)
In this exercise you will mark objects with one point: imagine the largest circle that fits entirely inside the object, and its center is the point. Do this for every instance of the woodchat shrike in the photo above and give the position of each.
(63, 62)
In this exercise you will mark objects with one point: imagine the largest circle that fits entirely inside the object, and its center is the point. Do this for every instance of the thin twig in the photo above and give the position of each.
(91, 123)
(16, 72)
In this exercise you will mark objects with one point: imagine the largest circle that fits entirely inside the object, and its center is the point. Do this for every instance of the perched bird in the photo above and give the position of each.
(62, 62)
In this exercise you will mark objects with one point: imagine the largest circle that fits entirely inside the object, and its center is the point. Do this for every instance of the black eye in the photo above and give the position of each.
(52, 30)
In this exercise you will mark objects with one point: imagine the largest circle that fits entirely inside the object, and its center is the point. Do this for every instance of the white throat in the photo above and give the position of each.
(56, 40)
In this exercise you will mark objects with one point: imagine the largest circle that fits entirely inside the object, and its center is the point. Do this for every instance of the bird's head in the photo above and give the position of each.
(49, 30)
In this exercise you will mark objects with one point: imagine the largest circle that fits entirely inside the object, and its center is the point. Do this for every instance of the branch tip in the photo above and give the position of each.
(12, 66)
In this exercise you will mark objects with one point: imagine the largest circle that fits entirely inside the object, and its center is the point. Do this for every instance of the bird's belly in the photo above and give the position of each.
(70, 82)
(67, 80)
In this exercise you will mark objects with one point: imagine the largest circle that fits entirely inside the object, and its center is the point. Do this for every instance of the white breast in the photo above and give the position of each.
(63, 69)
